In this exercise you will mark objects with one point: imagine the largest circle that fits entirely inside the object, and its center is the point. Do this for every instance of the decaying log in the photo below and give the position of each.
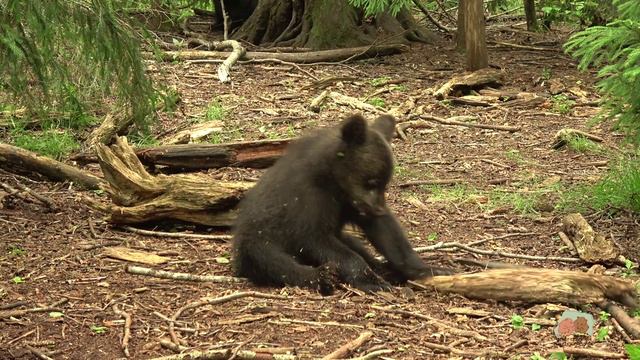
(193, 133)
(254, 154)
(333, 55)
(486, 77)
(111, 126)
(592, 247)
(537, 286)
(138, 196)
(16, 159)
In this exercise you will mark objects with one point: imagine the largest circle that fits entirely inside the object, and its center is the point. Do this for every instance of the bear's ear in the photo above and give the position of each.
(354, 130)
(385, 125)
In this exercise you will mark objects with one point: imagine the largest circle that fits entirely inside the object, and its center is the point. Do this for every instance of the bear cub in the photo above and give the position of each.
(289, 230)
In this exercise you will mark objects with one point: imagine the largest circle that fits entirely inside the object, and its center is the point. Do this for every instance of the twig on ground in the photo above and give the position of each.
(500, 165)
(484, 314)
(315, 323)
(465, 353)
(39, 354)
(524, 47)
(126, 335)
(215, 301)
(344, 350)
(496, 253)
(622, 332)
(166, 343)
(23, 195)
(515, 345)
(629, 324)
(139, 270)
(223, 355)
(353, 102)
(467, 124)
(592, 353)
(565, 239)
(176, 234)
(318, 100)
(435, 322)
(430, 182)
(373, 355)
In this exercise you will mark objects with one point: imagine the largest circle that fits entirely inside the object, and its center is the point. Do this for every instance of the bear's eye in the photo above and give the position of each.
(373, 183)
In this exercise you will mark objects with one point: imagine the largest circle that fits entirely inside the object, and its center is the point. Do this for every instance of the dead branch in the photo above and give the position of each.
(318, 100)
(138, 196)
(591, 353)
(238, 52)
(39, 354)
(139, 270)
(176, 234)
(565, 239)
(484, 313)
(373, 355)
(15, 159)
(215, 301)
(431, 18)
(592, 247)
(344, 350)
(193, 133)
(16, 313)
(111, 126)
(334, 55)
(354, 103)
(24, 194)
(497, 253)
(536, 285)
(452, 121)
(629, 324)
(431, 182)
(126, 335)
(453, 329)
(139, 256)
(523, 47)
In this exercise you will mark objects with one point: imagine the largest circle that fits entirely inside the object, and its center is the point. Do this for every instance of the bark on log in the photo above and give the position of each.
(111, 126)
(138, 196)
(537, 286)
(362, 52)
(253, 154)
(16, 159)
(591, 246)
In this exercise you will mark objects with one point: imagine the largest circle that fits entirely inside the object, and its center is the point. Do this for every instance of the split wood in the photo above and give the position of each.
(176, 234)
(126, 335)
(467, 124)
(16, 159)
(453, 329)
(139, 270)
(536, 286)
(344, 350)
(310, 57)
(215, 301)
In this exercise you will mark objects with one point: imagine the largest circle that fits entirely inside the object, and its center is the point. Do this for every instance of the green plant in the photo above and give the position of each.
(536, 356)
(143, 139)
(558, 356)
(16, 250)
(96, 329)
(561, 104)
(633, 351)
(379, 80)
(432, 237)
(17, 280)
(515, 156)
(546, 73)
(620, 188)
(517, 322)
(629, 268)
(602, 334)
(376, 101)
(215, 111)
(535, 327)
(53, 143)
(583, 145)
(604, 316)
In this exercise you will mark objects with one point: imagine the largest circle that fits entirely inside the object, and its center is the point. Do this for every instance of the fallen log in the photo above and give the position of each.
(253, 154)
(15, 159)
(463, 83)
(333, 55)
(138, 196)
(537, 286)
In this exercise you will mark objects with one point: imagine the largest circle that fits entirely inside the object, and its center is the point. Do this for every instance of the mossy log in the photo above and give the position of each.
(537, 286)
(138, 196)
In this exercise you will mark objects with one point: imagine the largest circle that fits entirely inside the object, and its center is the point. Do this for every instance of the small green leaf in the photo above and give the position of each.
(517, 322)
(604, 316)
(56, 314)
(558, 356)
(536, 356)
(17, 280)
(369, 315)
(432, 237)
(603, 333)
(98, 329)
(535, 327)
(633, 350)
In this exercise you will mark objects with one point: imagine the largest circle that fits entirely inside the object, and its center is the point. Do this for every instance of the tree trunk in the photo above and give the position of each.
(475, 38)
(325, 24)
(460, 31)
(530, 13)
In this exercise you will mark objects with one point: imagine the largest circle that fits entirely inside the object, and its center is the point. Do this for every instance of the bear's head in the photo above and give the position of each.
(365, 163)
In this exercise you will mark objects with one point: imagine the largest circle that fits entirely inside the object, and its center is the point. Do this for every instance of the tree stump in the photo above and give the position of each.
(138, 196)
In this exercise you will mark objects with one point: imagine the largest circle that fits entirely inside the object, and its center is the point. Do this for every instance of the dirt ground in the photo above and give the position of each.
(63, 257)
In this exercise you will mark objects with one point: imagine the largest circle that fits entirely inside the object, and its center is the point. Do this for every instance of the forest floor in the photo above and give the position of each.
(508, 192)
